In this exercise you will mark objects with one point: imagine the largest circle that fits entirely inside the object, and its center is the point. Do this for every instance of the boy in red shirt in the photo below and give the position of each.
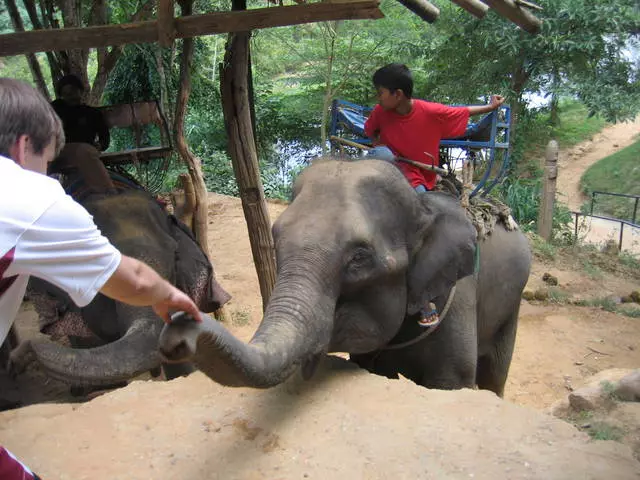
(413, 128)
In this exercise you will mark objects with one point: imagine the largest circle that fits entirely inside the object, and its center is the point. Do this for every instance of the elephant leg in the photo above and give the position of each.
(175, 370)
(369, 362)
(493, 366)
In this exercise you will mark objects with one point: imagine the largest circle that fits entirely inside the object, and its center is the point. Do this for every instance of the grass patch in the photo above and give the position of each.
(575, 124)
(629, 310)
(240, 318)
(618, 173)
(591, 270)
(558, 295)
(604, 431)
(542, 249)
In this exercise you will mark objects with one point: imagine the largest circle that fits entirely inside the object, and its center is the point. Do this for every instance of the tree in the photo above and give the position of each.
(579, 51)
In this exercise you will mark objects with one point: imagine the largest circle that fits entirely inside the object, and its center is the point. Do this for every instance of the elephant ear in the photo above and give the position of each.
(194, 272)
(444, 251)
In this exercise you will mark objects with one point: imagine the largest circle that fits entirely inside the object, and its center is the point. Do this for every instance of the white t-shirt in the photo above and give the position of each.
(45, 233)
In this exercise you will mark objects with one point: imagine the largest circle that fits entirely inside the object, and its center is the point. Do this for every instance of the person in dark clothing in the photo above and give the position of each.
(81, 123)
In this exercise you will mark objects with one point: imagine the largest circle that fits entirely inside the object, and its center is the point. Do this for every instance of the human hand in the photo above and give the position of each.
(176, 301)
(496, 101)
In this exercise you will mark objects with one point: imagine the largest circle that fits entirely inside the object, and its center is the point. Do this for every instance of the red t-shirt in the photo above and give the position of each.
(420, 131)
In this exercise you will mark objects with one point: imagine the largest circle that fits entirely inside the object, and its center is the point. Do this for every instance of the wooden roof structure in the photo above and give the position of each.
(166, 27)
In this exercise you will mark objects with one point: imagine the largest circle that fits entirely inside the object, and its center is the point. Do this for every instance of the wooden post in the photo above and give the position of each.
(235, 105)
(193, 163)
(166, 25)
(548, 196)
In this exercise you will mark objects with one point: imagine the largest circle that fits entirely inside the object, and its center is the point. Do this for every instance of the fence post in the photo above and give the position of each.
(547, 199)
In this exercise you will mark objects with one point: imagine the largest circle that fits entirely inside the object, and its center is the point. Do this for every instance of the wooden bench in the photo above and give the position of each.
(135, 116)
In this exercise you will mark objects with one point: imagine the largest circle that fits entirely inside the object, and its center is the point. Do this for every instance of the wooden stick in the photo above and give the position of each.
(425, 10)
(520, 16)
(474, 7)
(422, 166)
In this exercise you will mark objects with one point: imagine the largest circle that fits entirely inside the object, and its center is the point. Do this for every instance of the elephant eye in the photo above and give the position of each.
(360, 263)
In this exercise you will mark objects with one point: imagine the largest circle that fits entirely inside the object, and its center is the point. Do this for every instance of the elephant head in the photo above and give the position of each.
(357, 250)
(124, 338)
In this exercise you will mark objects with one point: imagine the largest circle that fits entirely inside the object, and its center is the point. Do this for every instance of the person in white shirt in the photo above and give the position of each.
(44, 233)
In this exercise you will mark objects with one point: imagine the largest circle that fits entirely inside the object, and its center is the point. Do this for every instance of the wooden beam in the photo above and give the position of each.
(188, 26)
(474, 7)
(520, 16)
(425, 10)
(166, 25)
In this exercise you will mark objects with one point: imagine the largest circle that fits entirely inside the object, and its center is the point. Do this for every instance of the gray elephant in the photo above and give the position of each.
(117, 341)
(359, 255)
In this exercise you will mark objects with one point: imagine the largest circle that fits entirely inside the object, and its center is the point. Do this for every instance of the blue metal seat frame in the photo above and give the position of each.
(491, 133)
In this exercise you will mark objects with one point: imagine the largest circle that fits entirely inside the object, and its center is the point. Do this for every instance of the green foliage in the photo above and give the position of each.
(575, 124)
(523, 197)
(605, 431)
(558, 295)
(618, 173)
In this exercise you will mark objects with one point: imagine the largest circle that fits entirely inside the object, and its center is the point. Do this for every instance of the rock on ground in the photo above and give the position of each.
(345, 423)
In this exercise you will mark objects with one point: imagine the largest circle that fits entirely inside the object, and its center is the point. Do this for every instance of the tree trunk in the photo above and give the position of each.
(519, 79)
(54, 65)
(554, 114)
(237, 115)
(200, 217)
(328, 89)
(32, 60)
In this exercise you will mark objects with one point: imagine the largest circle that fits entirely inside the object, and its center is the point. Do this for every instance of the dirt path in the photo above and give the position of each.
(574, 162)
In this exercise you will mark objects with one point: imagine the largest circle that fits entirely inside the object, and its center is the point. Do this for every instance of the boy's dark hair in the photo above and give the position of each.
(24, 111)
(70, 79)
(394, 76)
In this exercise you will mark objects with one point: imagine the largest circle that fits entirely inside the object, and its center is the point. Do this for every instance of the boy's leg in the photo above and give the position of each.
(420, 189)
(12, 469)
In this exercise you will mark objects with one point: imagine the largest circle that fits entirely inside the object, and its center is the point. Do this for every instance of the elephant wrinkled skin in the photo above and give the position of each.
(359, 254)
(116, 341)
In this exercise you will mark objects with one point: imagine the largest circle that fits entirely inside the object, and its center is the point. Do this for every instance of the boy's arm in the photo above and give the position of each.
(372, 127)
(496, 101)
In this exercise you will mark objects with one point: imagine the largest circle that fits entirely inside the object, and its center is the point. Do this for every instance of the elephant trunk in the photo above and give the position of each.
(295, 331)
(133, 354)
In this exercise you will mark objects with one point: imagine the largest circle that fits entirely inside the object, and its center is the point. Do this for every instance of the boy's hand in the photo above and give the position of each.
(496, 101)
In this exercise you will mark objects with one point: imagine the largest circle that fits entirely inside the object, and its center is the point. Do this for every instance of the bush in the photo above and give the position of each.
(523, 197)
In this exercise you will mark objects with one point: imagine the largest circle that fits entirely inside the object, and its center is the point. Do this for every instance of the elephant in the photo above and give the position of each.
(359, 255)
(115, 341)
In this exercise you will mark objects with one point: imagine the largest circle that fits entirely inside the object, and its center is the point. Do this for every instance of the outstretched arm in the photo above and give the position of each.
(136, 283)
(496, 101)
